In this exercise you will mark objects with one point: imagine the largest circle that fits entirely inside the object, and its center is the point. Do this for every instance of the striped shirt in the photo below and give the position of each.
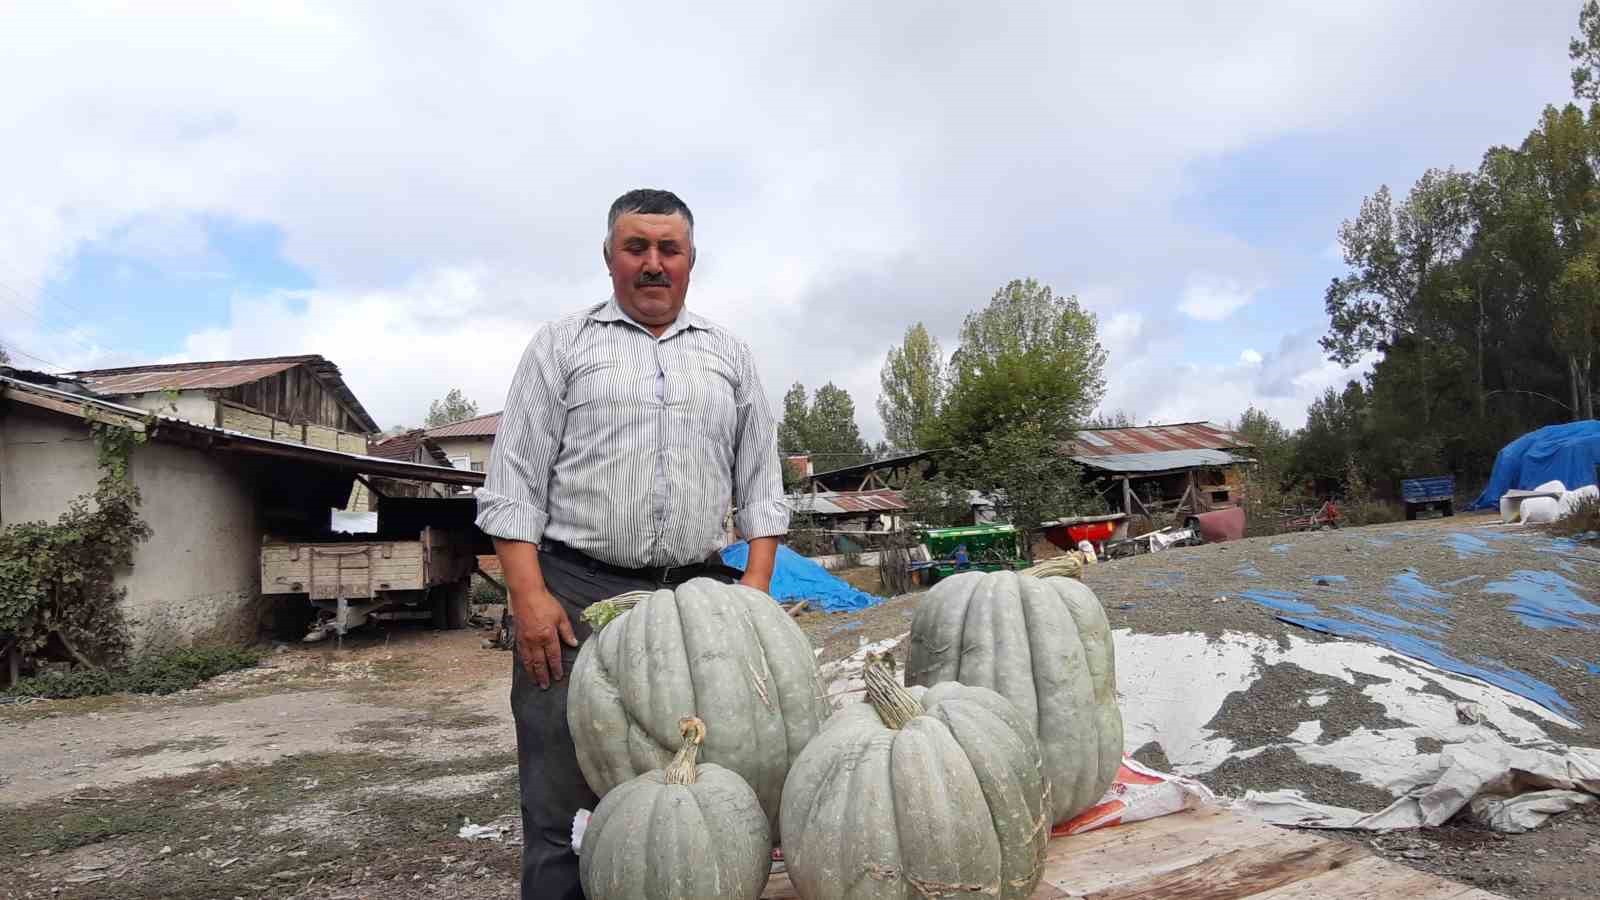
(631, 447)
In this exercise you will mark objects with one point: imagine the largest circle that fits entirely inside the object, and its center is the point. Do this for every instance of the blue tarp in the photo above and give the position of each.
(798, 578)
(1565, 453)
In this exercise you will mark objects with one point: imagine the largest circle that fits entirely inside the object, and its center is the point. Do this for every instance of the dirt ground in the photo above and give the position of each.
(347, 773)
(325, 773)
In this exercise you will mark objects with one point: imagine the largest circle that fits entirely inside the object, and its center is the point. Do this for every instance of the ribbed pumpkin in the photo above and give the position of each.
(1045, 645)
(920, 792)
(685, 832)
(723, 652)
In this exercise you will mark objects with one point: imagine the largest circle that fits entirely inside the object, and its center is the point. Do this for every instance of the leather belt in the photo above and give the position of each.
(658, 575)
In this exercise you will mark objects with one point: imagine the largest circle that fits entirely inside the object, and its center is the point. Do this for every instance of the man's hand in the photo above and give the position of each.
(541, 628)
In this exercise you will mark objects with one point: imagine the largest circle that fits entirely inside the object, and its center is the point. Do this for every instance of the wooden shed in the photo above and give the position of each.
(300, 399)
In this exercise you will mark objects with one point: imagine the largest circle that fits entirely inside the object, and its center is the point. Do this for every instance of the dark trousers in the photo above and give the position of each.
(553, 789)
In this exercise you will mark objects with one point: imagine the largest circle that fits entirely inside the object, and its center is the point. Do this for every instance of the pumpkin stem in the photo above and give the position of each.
(600, 613)
(681, 769)
(893, 703)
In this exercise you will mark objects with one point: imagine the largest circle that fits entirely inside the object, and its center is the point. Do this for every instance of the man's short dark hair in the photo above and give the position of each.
(650, 202)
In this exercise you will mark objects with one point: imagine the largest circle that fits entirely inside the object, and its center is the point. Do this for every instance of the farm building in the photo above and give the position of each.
(467, 443)
(210, 492)
(412, 446)
(300, 399)
(1159, 470)
(858, 511)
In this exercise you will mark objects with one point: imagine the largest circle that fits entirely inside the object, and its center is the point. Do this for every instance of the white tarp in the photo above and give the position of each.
(1496, 757)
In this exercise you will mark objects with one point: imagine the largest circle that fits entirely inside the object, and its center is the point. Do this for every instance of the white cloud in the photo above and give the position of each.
(1157, 387)
(1212, 299)
(441, 173)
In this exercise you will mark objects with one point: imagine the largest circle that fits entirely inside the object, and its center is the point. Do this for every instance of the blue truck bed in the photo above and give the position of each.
(1436, 492)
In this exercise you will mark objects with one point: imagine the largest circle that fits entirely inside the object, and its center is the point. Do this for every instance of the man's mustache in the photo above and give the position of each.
(653, 279)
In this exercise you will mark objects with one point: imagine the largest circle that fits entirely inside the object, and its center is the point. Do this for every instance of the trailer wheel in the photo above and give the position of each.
(450, 603)
(1411, 513)
(1449, 507)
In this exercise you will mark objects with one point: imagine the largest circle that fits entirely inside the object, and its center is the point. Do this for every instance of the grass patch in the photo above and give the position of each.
(163, 673)
(405, 729)
(183, 745)
(1585, 518)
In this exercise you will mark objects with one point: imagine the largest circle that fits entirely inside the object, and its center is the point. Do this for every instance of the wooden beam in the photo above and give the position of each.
(375, 492)
(1127, 496)
(76, 410)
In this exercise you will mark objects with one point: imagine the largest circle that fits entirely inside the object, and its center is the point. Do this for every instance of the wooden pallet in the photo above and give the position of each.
(1215, 854)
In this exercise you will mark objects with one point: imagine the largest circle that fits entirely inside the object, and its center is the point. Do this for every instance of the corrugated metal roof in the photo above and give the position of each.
(1160, 461)
(220, 375)
(846, 503)
(1153, 439)
(214, 439)
(478, 426)
(188, 376)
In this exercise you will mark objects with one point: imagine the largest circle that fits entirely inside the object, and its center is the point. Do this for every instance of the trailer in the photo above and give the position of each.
(1422, 494)
(418, 564)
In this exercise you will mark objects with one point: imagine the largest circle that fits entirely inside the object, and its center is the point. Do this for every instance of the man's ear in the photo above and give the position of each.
(605, 252)
(693, 255)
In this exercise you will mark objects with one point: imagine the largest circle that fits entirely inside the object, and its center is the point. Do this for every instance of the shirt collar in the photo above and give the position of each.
(611, 311)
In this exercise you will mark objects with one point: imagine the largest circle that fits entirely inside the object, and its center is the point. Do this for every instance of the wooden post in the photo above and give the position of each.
(13, 665)
(1127, 496)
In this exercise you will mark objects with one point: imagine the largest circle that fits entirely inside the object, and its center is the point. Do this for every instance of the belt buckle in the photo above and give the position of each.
(666, 572)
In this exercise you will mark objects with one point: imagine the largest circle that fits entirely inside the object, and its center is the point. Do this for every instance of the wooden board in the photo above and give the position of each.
(322, 436)
(1215, 854)
(349, 442)
(236, 419)
(287, 568)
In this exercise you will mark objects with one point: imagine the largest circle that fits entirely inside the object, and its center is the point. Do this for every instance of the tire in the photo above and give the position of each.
(1449, 508)
(1411, 513)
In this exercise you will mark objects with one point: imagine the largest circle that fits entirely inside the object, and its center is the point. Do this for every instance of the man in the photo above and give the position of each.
(628, 429)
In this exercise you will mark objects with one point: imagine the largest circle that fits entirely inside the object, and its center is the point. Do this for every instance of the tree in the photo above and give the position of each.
(1585, 51)
(1024, 469)
(831, 424)
(1027, 358)
(4, 356)
(452, 407)
(1274, 445)
(1392, 252)
(794, 428)
(912, 381)
(1332, 433)
(1116, 418)
(1577, 327)
(825, 428)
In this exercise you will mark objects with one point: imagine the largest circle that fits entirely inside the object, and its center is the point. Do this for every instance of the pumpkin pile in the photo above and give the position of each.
(946, 787)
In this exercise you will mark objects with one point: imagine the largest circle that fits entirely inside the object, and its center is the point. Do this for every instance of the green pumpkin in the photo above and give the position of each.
(1045, 645)
(685, 832)
(926, 792)
(723, 652)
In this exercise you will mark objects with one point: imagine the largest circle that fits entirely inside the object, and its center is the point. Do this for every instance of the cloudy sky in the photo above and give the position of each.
(411, 189)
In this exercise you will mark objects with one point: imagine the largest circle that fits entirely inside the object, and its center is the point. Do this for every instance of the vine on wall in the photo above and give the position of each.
(58, 580)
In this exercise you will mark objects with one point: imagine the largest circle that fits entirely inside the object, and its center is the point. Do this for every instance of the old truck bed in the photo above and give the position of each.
(364, 568)
(1215, 854)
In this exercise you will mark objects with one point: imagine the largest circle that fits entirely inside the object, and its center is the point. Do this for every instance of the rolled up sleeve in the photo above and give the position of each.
(514, 501)
(759, 510)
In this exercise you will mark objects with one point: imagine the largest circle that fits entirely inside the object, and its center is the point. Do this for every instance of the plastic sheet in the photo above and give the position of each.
(1567, 453)
(797, 578)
